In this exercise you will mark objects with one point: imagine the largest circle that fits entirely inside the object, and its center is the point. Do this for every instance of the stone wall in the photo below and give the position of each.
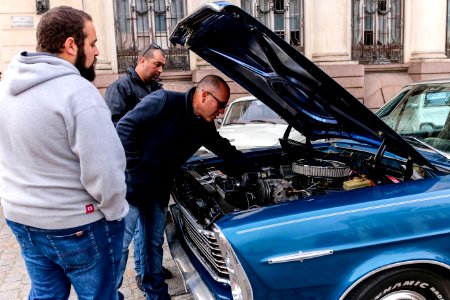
(382, 83)
(349, 76)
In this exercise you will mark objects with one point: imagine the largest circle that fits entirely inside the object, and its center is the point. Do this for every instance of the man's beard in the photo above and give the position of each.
(80, 62)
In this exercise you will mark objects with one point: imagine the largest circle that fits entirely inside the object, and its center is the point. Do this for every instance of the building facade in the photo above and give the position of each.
(371, 47)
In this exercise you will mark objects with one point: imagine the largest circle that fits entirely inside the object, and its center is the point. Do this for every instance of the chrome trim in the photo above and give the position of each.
(238, 277)
(192, 279)
(201, 241)
(214, 6)
(321, 168)
(403, 295)
(391, 266)
(300, 256)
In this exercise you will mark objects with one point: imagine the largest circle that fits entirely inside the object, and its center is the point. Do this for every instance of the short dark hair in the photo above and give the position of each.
(147, 52)
(213, 81)
(58, 24)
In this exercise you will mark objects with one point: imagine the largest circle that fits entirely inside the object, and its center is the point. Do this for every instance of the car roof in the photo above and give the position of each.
(430, 81)
(246, 98)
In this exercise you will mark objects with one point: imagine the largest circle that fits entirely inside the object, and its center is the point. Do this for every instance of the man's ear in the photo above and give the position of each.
(203, 95)
(70, 47)
(69, 50)
(141, 60)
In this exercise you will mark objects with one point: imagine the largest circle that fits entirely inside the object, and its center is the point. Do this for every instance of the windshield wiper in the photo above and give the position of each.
(415, 140)
(235, 123)
(263, 121)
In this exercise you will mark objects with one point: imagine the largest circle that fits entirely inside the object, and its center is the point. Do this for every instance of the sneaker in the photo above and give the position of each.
(139, 283)
(167, 273)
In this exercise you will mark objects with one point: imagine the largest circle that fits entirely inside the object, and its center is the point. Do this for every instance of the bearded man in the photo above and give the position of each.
(62, 182)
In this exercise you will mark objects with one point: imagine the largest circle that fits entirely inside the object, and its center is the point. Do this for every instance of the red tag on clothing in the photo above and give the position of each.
(89, 208)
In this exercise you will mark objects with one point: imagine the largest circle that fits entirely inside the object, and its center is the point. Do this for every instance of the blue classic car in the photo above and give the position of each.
(355, 211)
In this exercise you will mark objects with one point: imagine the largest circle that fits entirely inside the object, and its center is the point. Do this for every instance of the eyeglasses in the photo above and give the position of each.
(221, 104)
(152, 46)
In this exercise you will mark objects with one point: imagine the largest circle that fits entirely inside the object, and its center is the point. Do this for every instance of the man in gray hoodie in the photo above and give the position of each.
(62, 182)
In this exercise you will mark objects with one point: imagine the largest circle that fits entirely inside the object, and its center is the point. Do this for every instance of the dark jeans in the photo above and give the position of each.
(153, 219)
(86, 256)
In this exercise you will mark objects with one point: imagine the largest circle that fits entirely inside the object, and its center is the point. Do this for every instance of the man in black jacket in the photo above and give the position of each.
(123, 94)
(159, 135)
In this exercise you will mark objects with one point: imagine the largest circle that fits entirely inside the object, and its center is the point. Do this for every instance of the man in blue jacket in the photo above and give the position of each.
(121, 96)
(159, 135)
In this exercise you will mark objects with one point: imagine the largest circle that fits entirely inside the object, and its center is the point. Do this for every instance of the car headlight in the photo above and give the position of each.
(240, 285)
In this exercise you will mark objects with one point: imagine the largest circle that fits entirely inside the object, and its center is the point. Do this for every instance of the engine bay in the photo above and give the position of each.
(295, 173)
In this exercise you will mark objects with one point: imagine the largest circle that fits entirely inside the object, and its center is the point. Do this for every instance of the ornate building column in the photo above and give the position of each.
(102, 13)
(427, 22)
(328, 42)
(328, 33)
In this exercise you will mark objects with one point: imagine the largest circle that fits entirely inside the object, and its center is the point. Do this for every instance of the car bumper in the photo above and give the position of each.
(192, 279)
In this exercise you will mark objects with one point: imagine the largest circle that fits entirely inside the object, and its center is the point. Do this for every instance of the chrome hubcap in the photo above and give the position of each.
(403, 295)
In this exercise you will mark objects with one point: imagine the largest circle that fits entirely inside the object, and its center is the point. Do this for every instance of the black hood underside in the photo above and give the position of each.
(280, 76)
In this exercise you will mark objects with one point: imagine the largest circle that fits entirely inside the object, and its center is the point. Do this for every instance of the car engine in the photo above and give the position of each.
(297, 172)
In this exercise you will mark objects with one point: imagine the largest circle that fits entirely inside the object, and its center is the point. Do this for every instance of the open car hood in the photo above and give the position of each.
(276, 73)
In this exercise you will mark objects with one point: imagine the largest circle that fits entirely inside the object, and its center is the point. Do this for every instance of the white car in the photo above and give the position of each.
(422, 106)
(249, 123)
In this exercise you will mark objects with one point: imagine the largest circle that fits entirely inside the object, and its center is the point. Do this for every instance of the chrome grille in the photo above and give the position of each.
(204, 244)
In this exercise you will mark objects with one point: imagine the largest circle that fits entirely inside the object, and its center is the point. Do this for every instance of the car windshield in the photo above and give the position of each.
(422, 113)
(253, 111)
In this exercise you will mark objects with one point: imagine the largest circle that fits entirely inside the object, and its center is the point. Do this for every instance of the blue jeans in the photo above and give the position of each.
(86, 257)
(153, 220)
(132, 230)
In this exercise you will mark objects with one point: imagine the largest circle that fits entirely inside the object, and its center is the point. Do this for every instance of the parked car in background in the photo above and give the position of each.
(421, 110)
(354, 211)
(249, 123)
(423, 105)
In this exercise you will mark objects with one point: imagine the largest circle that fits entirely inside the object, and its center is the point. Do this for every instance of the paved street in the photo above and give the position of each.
(15, 284)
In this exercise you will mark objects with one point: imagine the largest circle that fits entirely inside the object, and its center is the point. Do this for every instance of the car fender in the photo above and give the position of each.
(356, 234)
(387, 266)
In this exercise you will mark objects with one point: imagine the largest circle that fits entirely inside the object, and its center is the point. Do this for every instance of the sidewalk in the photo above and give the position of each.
(15, 284)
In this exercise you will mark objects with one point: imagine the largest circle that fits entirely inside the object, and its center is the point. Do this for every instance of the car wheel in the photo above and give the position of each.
(403, 284)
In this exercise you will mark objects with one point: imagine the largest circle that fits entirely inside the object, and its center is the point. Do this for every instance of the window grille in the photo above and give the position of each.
(377, 27)
(284, 17)
(139, 23)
